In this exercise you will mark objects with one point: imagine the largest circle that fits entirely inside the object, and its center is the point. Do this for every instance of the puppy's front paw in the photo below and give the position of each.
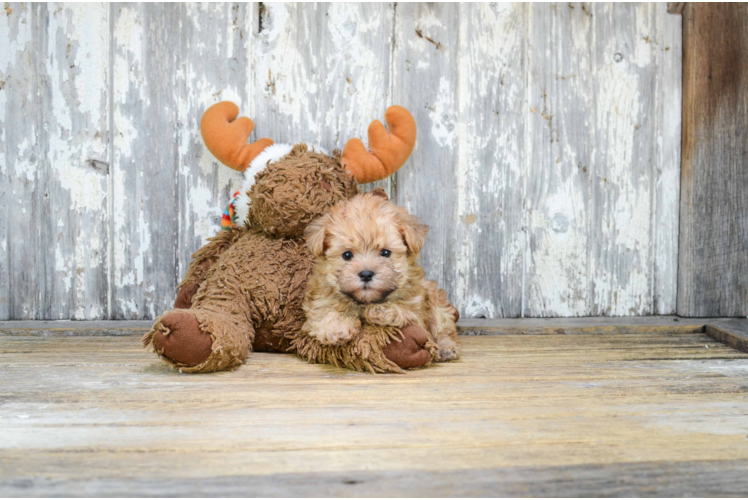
(447, 350)
(335, 333)
(380, 314)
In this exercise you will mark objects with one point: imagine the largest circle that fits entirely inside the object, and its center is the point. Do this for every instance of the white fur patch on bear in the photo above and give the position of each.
(241, 207)
(270, 154)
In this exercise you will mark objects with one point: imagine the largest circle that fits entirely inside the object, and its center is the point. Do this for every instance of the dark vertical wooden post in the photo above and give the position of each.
(713, 253)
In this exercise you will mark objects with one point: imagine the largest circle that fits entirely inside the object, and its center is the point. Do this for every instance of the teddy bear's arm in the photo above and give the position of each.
(202, 261)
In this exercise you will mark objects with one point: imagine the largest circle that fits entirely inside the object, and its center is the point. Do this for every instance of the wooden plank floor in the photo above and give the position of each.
(609, 414)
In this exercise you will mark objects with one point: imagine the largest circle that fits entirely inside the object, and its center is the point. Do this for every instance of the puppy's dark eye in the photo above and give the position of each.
(347, 255)
(385, 253)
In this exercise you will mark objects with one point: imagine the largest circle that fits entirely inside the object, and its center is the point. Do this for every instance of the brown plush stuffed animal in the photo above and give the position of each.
(244, 289)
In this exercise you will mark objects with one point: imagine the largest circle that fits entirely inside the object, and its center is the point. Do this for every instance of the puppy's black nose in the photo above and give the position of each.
(366, 276)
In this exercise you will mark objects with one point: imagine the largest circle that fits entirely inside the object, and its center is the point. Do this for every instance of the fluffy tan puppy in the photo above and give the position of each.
(367, 272)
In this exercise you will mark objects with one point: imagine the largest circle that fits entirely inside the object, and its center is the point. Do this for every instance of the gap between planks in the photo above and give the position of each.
(732, 332)
(469, 326)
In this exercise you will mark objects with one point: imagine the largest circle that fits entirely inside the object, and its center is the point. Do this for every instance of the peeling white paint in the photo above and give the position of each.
(91, 57)
(26, 164)
(62, 267)
(128, 33)
(443, 128)
(489, 166)
(283, 73)
(558, 258)
(144, 245)
(127, 257)
(477, 307)
(75, 155)
(561, 205)
(85, 187)
(203, 204)
(355, 58)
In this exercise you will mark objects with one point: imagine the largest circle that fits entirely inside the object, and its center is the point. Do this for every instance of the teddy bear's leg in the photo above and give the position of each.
(199, 341)
(202, 260)
(411, 351)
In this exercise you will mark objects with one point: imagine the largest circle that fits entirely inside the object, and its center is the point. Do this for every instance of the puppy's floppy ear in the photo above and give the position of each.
(316, 235)
(414, 231)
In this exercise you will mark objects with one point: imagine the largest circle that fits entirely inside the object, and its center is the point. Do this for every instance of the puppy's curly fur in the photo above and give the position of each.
(367, 274)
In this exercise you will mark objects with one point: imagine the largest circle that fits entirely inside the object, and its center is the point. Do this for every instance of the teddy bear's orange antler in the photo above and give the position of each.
(226, 137)
(388, 150)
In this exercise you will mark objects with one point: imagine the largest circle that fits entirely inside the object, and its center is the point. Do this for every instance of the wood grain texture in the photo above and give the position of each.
(488, 238)
(22, 268)
(74, 95)
(713, 258)
(426, 76)
(668, 48)
(76, 328)
(320, 73)
(675, 7)
(214, 41)
(559, 415)
(602, 221)
(559, 171)
(733, 333)
(697, 478)
(496, 326)
(623, 176)
(546, 163)
(145, 159)
(582, 326)
(54, 110)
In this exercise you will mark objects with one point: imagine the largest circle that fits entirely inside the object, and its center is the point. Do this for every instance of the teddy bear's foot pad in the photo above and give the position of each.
(411, 351)
(181, 340)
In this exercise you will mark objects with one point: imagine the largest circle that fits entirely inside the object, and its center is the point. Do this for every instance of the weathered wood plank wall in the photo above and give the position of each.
(547, 162)
(54, 148)
(713, 276)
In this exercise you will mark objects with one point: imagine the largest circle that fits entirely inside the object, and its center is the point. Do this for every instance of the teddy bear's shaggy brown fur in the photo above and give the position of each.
(253, 278)
(244, 289)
